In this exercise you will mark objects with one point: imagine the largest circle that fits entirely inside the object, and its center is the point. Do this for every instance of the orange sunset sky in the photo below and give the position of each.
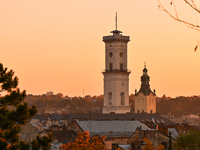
(56, 45)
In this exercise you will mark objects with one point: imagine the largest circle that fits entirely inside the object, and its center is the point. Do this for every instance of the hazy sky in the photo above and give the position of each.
(56, 45)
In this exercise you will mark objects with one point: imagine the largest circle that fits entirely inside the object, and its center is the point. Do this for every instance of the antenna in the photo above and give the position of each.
(116, 21)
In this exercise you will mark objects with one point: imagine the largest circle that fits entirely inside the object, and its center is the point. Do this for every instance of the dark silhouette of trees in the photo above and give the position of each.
(18, 114)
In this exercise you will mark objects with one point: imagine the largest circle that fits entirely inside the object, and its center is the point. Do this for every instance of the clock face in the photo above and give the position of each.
(121, 54)
(111, 54)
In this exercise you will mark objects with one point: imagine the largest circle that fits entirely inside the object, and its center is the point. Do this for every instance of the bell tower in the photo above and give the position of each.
(145, 100)
(116, 74)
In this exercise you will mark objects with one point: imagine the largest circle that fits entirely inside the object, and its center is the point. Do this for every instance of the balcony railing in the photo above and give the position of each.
(117, 70)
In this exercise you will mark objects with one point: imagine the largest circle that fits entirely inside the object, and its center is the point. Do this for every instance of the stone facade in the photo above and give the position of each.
(145, 100)
(116, 75)
(154, 136)
(145, 103)
(28, 133)
(74, 127)
(115, 140)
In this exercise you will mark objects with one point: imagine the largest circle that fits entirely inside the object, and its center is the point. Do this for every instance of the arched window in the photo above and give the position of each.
(109, 98)
(149, 100)
(122, 98)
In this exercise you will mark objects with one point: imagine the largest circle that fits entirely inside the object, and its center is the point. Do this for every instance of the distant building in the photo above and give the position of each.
(49, 93)
(145, 100)
(88, 96)
(120, 132)
(28, 133)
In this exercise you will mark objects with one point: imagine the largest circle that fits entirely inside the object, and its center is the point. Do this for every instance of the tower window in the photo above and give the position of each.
(122, 98)
(110, 45)
(152, 100)
(121, 67)
(149, 100)
(111, 66)
(110, 95)
(138, 100)
(109, 98)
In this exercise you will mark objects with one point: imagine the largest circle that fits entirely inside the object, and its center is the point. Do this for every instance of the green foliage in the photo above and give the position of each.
(42, 142)
(12, 119)
(188, 141)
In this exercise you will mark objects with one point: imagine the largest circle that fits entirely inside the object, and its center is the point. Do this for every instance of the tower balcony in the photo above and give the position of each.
(119, 37)
(117, 71)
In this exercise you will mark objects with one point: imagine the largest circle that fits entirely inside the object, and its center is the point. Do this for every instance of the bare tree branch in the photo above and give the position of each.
(188, 24)
(192, 5)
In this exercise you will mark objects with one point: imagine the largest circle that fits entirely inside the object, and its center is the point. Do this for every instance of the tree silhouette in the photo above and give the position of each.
(12, 119)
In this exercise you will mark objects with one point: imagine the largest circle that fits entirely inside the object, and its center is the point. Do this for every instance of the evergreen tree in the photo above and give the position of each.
(12, 119)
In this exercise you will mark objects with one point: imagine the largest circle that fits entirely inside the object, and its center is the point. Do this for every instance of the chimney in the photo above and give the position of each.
(157, 127)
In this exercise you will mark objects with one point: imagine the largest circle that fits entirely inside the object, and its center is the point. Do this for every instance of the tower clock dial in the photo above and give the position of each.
(121, 54)
(111, 54)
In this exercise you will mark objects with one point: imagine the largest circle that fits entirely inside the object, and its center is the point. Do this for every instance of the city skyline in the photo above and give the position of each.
(57, 45)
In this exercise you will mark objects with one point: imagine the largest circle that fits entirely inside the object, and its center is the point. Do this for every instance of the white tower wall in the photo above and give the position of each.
(116, 75)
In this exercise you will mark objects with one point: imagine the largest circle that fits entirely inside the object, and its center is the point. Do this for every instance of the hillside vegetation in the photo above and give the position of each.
(176, 106)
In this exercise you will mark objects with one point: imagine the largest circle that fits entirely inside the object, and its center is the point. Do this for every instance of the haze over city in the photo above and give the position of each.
(57, 45)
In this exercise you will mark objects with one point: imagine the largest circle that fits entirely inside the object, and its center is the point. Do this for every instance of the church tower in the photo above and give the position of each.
(116, 74)
(145, 100)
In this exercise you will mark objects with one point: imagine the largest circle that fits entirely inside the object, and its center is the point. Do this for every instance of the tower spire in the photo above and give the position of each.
(116, 21)
(144, 64)
(116, 32)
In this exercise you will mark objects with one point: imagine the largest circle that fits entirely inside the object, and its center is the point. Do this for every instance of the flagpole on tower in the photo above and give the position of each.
(116, 21)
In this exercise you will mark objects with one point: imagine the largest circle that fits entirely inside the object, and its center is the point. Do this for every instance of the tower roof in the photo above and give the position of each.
(145, 86)
(145, 70)
(117, 36)
(116, 32)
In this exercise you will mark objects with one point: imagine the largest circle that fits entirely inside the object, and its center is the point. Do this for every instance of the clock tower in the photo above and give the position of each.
(116, 74)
